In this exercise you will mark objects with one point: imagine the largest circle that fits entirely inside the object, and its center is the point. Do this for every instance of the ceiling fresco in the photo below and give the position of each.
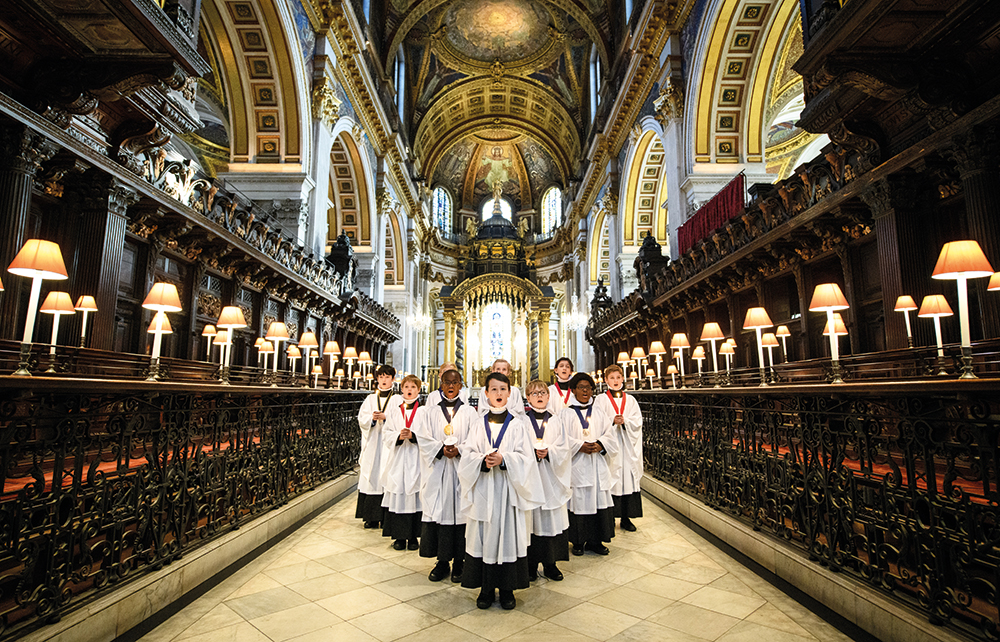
(479, 67)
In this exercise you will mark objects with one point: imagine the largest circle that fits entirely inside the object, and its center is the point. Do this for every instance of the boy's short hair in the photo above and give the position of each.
(385, 370)
(614, 367)
(498, 376)
(446, 366)
(537, 384)
(414, 379)
(455, 370)
(567, 360)
(580, 377)
(509, 367)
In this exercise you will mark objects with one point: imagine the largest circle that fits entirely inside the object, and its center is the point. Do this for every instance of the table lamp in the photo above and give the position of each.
(961, 261)
(85, 304)
(37, 260)
(757, 319)
(906, 304)
(162, 297)
(935, 306)
(57, 304)
(828, 298)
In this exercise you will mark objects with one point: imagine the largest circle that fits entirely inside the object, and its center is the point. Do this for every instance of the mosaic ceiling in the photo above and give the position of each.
(497, 88)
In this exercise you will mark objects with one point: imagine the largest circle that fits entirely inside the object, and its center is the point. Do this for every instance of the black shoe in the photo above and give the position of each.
(485, 600)
(439, 572)
(456, 572)
(552, 572)
(532, 572)
(371, 524)
(598, 548)
(413, 545)
(507, 600)
(627, 525)
(399, 545)
(577, 550)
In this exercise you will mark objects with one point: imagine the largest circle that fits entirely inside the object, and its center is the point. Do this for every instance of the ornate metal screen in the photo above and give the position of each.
(103, 483)
(894, 485)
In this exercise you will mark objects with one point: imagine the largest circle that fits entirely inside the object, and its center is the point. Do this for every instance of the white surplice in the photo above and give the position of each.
(372, 458)
(552, 518)
(515, 403)
(440, 493)
(402, 468)
(559, 396)
(591, 478)
(626, 467)
(496, 501)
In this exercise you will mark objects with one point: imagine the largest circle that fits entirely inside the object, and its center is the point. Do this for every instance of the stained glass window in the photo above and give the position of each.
(496, 332)
(551, 210)
(442, 209)
(504, 209)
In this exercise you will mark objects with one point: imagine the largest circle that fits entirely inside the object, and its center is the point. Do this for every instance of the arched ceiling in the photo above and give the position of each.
(496, 87)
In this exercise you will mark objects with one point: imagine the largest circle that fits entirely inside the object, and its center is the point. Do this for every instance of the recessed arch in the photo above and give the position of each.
(645, 190)
(351, 202)
(395, 253)
(600, 248)
(265, 80)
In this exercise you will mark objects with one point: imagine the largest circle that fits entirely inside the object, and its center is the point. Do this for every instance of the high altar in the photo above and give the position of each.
(497, 295)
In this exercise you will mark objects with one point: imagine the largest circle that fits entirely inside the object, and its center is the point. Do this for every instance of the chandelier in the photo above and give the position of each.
(577, 318)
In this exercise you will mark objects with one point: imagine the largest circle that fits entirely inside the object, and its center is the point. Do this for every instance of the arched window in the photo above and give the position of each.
(400, 83)
(551, 210)
(505, 210)
(441, 208)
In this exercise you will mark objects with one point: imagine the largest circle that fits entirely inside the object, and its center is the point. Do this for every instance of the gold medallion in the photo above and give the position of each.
(448, 430)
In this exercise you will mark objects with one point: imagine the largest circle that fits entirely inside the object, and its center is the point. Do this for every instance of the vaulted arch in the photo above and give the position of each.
(645, 190)
(263, 74)
(599, 257)
(351, 204)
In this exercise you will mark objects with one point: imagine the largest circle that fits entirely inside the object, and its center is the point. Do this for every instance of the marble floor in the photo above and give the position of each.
(333, 581)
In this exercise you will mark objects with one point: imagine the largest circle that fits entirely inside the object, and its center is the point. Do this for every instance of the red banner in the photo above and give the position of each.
(714, 214)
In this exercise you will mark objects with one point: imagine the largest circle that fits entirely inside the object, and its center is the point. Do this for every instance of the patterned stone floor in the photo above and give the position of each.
(333, 581)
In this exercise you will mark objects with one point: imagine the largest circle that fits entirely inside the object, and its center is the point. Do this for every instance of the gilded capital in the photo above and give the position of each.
(325, 104)
(670, 103)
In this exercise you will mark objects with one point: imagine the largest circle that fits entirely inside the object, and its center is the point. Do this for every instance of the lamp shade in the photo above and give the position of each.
(57, 303)
(308, 340)
(339, 373)
(357, 374)
(638, 353)
(698, 353)
(294, 352)
(712, 331)
(259, 342)
(369, 377)
(782, 331)
(164, 324)
(757, 318)
(267, 347)
(906, 303)
(993, 285)
(827, 296)
(350, 353)
(163, 297)
(276, 331)
(671, 369)
(331, 347)
(768, 340)
(679, 340)
(934, 305)
(364, 357)
(839, 329)
(209, 331)
(677, 354)
(39, 258)
(86, 303)
(231, 317)
(317, 370)
(221, 338)
(656, 347)
(650, 372)
(727, 349)
(1, 285)
(962, 259)
(623, 357)
(731, 342)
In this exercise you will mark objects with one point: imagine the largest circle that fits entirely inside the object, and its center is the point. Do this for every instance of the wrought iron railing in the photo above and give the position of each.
(893, 484)
(105, 480)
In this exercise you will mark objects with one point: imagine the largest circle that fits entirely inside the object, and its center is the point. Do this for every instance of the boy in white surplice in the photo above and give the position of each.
(401, 471)
(500, 484)
(626, 428)
(371, 418)
(442, 427)
(549, 522)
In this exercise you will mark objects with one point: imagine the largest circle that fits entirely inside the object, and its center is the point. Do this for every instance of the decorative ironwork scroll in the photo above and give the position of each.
(103, 484)
(895, 487)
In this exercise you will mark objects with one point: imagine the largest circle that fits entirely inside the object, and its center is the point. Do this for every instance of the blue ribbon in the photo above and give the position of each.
(534, 423)
(584, 422)
(503, 431)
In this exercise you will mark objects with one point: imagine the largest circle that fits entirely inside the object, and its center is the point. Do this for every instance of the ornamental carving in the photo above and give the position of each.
(325, 104)
(670, 103)
(209, 305)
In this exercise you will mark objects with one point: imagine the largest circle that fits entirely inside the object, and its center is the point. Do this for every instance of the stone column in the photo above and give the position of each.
(104, 201)
(460, 342)
(449, 335)
(544, 360)
(22, 152)
(325, 113)
(669, 113)
(976, 155)
(892, 202)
